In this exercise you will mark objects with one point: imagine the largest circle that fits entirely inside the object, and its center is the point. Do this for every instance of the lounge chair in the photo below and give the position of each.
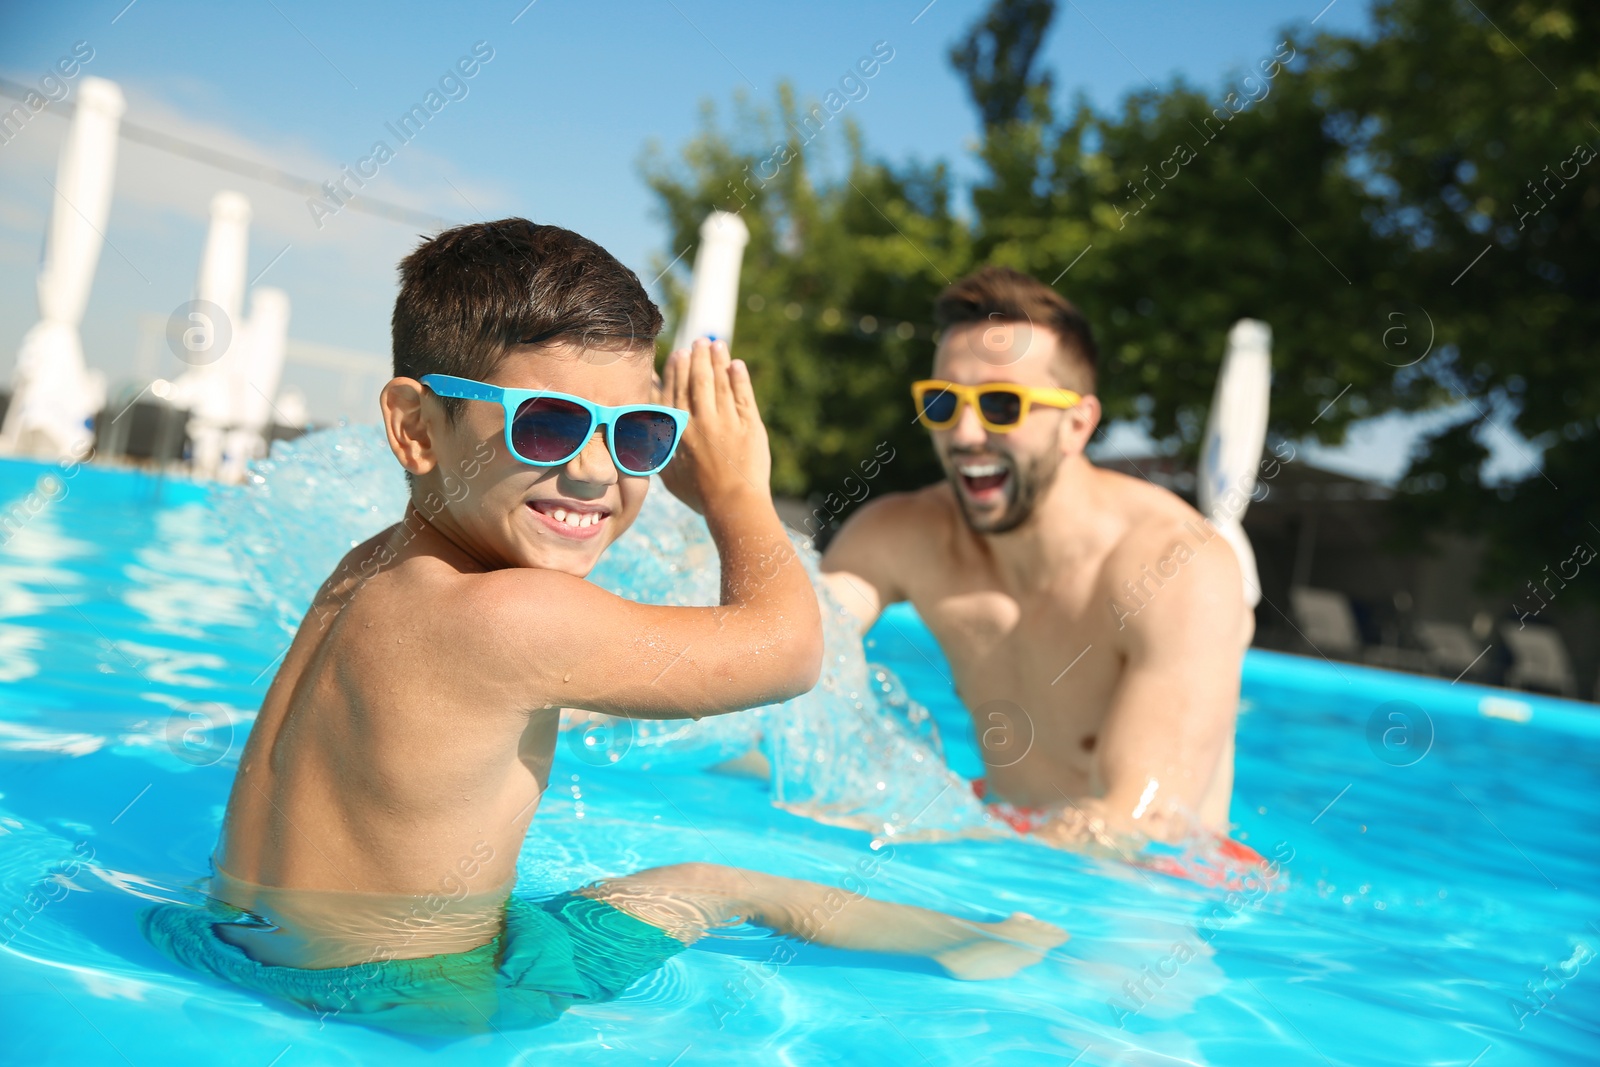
(1326, 620)
(1539, 660)
(1451, 649)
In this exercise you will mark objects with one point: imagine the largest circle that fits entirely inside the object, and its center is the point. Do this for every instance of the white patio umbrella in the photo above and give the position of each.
(54, 396)
(714, 290)
(212, 332)
(1236, 431)
(256, 366)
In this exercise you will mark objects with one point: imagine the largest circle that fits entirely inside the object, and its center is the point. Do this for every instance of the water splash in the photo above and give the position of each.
(856, 751)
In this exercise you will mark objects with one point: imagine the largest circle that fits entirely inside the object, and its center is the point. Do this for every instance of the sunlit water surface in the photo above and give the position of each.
(1441, 911)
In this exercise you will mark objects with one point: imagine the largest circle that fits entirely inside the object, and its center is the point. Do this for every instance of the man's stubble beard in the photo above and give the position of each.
(1029, 483)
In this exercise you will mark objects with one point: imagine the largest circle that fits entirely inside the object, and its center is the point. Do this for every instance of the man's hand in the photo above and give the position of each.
(724, 449)
(1083, 824)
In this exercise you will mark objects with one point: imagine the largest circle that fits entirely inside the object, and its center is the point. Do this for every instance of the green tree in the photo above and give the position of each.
(836, 290)
(1425, 189)
(1479, 125)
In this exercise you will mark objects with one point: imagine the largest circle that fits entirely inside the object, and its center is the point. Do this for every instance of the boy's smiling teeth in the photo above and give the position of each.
(574, 518)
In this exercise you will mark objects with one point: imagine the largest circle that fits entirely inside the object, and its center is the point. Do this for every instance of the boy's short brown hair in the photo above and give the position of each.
(1001, 294)
(471, 293)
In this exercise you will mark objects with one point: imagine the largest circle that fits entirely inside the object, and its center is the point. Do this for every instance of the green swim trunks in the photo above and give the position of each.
(550, 954)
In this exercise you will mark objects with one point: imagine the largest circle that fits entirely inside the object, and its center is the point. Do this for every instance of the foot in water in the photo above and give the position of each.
(1002, 949)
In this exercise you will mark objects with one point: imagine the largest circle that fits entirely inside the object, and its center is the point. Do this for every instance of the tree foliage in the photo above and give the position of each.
(1478, 125)
(1413, 212)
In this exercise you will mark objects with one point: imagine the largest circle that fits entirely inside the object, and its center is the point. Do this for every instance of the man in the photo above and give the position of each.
(1095, 623)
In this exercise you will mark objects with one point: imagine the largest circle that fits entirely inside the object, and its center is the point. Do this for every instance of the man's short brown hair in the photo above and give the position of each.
(470, 294)
(1000, 294)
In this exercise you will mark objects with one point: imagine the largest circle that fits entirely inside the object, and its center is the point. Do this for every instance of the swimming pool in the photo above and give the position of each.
(1443, 866)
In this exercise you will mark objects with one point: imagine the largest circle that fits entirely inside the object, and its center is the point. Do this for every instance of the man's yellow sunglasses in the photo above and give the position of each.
(1001, 406)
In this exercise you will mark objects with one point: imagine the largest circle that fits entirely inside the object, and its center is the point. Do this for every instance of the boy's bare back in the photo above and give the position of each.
(376, 762)
(409, 734)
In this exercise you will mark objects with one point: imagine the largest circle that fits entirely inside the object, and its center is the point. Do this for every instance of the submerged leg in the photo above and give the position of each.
(688, 899)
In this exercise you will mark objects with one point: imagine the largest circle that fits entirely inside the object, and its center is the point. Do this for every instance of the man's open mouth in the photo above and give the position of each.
(984, 482)
(570, 519)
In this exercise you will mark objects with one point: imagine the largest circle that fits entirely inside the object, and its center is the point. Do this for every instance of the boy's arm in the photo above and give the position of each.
(565, 642)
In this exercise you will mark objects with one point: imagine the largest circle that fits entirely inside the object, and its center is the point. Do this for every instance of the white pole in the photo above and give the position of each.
(54, 396)
(257, 366)
(212, 328)
(714, 290)
(1235, 434)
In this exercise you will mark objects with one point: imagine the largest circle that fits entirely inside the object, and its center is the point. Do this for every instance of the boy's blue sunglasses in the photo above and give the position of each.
(547, 429)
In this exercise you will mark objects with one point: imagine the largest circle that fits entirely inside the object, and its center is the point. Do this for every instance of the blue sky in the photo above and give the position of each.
(552, 127)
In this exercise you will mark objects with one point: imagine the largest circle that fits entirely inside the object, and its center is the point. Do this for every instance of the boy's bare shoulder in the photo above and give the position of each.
(398, 609)
(397, 571)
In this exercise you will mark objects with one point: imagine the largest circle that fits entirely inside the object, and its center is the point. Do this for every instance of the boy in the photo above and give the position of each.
(370, 842)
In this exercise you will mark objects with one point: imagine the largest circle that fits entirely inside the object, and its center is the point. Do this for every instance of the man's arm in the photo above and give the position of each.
(861, 565)
(550, 639)
(1172, 714)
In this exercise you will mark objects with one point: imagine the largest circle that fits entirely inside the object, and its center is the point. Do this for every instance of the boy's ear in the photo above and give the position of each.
(406, 421)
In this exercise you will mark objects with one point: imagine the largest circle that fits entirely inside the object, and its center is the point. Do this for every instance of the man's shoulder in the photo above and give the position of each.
(1149, 514)
(913, 508)
(1166, 543)
(893, 539)
(903, 524)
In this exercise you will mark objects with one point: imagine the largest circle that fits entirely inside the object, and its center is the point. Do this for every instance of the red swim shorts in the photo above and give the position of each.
(1227, 864)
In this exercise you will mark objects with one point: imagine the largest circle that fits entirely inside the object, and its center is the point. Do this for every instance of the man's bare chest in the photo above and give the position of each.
(1050, 663)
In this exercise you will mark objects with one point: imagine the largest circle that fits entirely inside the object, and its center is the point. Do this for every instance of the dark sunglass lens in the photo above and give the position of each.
(644, 439)
(1002, 409)
(939, 405)
(547, 430)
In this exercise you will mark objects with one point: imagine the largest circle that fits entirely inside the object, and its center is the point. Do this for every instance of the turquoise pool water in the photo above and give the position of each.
(1443, 866)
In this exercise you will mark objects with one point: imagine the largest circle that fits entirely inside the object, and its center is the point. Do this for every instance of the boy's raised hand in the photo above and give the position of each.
(761, 644)
(724, 450)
